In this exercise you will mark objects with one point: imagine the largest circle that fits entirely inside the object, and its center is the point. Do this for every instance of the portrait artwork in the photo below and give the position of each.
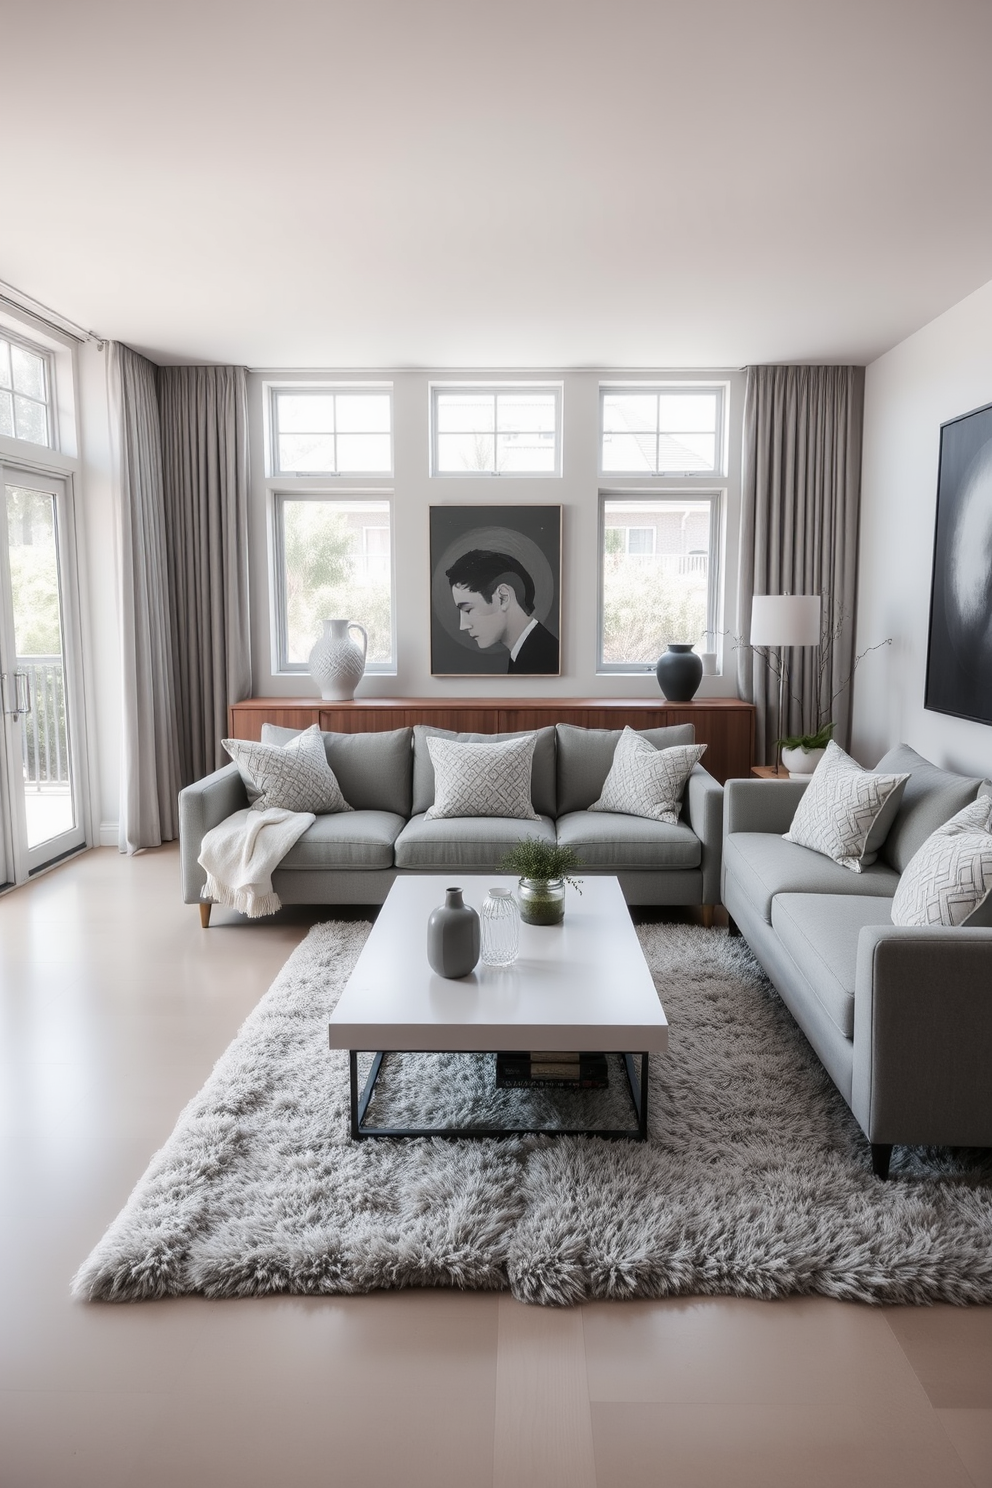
(959, 659)
(495, 591)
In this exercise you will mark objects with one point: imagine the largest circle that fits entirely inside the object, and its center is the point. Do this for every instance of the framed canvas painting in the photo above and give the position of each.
(959, 656)
(495, 591)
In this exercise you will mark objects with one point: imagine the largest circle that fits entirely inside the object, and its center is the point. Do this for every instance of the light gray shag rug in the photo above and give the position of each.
(755, 1181)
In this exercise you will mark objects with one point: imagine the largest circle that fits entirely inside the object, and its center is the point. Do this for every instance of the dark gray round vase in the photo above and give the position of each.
(454, 936)
(679, 673)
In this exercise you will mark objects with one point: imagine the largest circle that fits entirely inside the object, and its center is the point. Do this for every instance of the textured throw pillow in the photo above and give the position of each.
(846, 810)
(482, 779)
(644, 781)
(295, 777)
(949, 879)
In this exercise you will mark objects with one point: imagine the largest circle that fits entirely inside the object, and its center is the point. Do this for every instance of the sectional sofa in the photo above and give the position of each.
(901, 1016)
(353, 857)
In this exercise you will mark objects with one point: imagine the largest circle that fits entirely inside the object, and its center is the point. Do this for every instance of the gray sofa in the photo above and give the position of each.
(353, 857)
(900, 1016)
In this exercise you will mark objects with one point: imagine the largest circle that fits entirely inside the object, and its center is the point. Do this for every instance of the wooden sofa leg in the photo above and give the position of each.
(733, 928)
(707, 916)
(206, 905)
(881, 1155)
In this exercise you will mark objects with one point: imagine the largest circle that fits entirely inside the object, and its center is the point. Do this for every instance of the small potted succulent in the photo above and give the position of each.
(801, 753)
(544, 869)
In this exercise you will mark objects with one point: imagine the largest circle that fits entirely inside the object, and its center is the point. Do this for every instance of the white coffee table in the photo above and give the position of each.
(583, 985)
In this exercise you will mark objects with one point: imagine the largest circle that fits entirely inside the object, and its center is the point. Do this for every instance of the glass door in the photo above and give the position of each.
(38, 792)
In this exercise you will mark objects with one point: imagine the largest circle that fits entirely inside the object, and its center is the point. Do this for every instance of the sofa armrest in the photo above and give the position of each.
(704, 808)
(923, 1034)
(761, 805)
(202, 806)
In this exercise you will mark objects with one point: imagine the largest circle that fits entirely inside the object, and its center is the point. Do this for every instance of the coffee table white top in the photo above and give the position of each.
(583, 984)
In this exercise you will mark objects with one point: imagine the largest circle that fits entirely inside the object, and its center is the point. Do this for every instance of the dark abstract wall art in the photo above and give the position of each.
(959, 657)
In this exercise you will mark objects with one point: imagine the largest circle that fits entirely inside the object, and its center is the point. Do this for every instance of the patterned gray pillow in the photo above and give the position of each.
(846, 810)
(295, 776)
(644, 781)
(482, 779)
(948, 881)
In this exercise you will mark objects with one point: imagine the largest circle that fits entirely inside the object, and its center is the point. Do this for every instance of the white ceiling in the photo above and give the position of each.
(530, 183)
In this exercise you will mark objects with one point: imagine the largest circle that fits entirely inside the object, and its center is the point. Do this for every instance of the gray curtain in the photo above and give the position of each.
(149, 747)
(204, 417)
(801, 490)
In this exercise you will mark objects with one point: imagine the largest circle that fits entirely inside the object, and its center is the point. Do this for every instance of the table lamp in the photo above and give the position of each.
(784, 620)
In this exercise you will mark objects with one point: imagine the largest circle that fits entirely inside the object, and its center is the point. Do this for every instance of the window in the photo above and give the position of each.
(323, 431)
(657, 581)
(662, 430)
(496, 431)
(332, 561)
(25, 393)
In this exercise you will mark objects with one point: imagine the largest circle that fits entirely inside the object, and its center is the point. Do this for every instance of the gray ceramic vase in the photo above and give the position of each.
(454, 937)
(679, 673)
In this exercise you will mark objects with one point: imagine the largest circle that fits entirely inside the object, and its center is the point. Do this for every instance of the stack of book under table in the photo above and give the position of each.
(557, 1070)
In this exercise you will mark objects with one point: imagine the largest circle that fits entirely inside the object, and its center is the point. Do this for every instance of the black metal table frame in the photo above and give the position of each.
(638, 1084)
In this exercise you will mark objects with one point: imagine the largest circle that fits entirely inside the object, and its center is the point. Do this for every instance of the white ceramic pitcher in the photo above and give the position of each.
(337, 663)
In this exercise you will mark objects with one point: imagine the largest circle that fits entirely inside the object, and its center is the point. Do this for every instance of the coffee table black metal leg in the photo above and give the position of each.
(360, 1104)
(639, 1092)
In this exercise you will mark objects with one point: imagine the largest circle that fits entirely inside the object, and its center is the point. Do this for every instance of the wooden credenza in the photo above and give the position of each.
(726, 725)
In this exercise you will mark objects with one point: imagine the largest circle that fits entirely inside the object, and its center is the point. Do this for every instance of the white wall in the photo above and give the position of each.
(942, 371)
(414, 492)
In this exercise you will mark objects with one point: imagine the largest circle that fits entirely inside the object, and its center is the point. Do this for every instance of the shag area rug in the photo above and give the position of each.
(755, 1180)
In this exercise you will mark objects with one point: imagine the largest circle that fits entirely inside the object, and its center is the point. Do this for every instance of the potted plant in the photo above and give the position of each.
(544, 869)
(801, 753)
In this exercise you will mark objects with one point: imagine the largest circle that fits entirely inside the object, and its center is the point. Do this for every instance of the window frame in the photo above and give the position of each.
(716, 497)
(718, 470)
(282, 666)
(497, 388)
(47, 358)
(274, 389)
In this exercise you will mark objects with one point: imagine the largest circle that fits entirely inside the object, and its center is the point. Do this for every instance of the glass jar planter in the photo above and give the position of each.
(541, 900)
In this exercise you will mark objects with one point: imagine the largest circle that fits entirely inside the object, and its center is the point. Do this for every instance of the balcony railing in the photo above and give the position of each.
(45, 728)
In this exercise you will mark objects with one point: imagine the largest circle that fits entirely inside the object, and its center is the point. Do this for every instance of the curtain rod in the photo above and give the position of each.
(10, 295)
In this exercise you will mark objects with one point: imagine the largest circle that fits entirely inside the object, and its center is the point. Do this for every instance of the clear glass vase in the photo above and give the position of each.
(500, 928)
(541, 900)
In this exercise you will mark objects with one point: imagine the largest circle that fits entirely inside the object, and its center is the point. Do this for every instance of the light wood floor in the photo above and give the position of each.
(113, 1006)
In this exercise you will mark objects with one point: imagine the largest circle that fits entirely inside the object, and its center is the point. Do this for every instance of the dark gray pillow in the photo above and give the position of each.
(542, 779)
(586, 755)
(931, 797)
(374, 771)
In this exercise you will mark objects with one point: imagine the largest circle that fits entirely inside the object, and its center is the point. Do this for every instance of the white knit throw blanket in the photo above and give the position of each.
(241, 853)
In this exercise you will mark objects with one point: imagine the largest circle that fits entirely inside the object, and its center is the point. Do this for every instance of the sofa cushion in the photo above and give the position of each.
(617, 843)
(764, 864)
(294, 776)
(645, 781)
(931, 797)
(490, 777)
(542, 784)
(846, 810)
(949, 881)
(585, 756)
(820, 932)
(357, 839)
(374, 770)
(478, 843)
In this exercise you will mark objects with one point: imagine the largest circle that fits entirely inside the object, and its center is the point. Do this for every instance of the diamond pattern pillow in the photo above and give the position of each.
(482, 779)
(294, 776)
(948, 881)
(846, 810)
(644, 781)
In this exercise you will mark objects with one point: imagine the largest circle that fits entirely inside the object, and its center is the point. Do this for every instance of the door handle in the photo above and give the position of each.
(19, 705)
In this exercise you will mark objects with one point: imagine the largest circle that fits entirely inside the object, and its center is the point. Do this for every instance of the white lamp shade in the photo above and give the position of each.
(785, 620)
